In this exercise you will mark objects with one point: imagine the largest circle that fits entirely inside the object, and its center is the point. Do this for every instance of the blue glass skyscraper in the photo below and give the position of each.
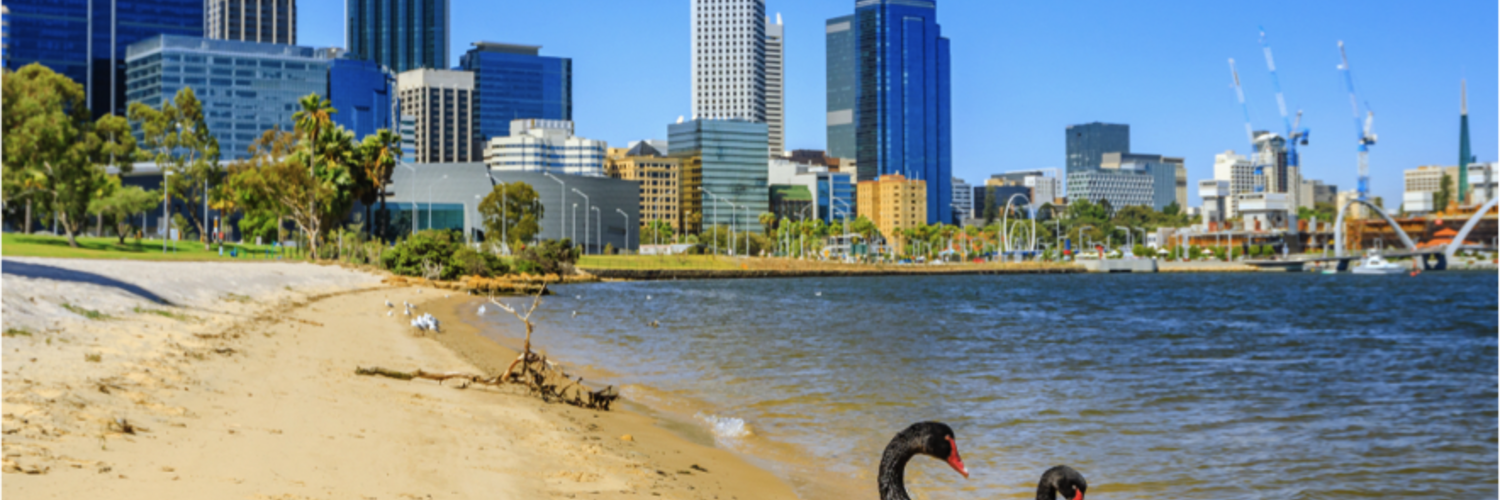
(903, 120)
(399, 34)
(841, 79)
(514, 82)
(361, 91)
(88, 44)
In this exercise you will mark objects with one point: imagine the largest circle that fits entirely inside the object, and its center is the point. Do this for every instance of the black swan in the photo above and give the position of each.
(1061, 480)
(933, 439)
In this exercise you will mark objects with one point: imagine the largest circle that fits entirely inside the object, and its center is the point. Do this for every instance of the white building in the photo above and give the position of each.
(729, 59)
(1481, 182)
(1239, 172)
(1044, 189)
(1215, 194)
(1264, 211)
(442, 101)
(776, 86)
(963, 199)
(537, 145)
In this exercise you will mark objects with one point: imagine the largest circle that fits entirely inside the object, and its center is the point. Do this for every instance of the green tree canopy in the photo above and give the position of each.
(176, 137)
(511, 210)
(123, 203)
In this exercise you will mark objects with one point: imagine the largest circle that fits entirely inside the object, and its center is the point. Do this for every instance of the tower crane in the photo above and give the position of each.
(1364, 130)
(1294, 134)
(1239, 93)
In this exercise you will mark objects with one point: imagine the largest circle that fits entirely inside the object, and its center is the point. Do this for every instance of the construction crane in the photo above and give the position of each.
(1294, 134)
(1364, 129)
(1239, 92)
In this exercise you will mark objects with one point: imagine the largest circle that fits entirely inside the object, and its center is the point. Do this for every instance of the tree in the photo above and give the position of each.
(1444, 194)
(511, 210)
(177, 138)
(122, 204)
(276, 180)
(377, 160)
(1172, 208)
(656, 232)
(991, 207)
(768, 221)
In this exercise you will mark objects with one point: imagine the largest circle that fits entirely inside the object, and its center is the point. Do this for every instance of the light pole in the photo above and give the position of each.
(598, 227)
(504, 218)
(413, 201)
(470, 229)
(627, 227)
(562, 226)
(166, 210)
(575, 223)
(846, 211)
(732, 220)
(585, 220)
(429, 199)
(716, 219)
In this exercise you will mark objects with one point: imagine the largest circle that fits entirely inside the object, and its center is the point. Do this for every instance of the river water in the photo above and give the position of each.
(1230, 386)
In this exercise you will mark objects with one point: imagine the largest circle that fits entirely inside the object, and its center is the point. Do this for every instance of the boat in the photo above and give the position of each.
(1375, 264)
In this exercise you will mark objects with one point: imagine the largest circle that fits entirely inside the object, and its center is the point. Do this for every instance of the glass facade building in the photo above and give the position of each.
(514, 82)
(1087, 143)
(86, 40)
(902, 119)
(361, 91)
(841, 78)
(399, 34)
(246, 88)
(734, 155)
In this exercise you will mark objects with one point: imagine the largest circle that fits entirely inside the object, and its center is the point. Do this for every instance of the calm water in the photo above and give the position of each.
(1207, 386)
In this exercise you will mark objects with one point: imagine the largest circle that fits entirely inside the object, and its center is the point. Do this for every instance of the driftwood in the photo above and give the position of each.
(541, 376)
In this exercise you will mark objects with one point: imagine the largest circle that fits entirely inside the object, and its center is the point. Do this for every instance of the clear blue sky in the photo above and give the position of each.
(1022, 71)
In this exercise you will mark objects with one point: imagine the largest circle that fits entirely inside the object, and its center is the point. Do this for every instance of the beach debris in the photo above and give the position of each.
(654, 324)
(627, 438)
(578, 297)
(698, 468)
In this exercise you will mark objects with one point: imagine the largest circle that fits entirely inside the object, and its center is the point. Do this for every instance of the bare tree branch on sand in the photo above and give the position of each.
(541, 376)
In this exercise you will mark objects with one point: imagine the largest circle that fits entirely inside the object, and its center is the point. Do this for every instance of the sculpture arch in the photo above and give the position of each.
(1338, 229)
(1005, 217)
(1458, 240)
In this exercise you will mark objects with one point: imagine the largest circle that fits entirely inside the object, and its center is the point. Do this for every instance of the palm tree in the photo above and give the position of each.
(768, 220)
(377, 156)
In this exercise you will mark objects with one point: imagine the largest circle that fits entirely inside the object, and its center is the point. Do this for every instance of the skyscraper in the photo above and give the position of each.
(265, 21)
(722, 161)
(776, 85)
(1464, 155)
(514, 82)
(443, 103)
(399, 34)
(729, 60)
(85, 40)
(842, 78)
(361, 91)
(1087, 143)
(903, 120)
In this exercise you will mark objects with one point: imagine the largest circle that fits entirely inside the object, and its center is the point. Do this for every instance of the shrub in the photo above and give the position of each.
(609, 249)
(418, 254)
(550, 257)
(470, 262)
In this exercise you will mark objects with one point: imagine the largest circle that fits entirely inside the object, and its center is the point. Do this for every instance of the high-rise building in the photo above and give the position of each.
(658, 177)
(545, 146)
(841, 74)
(723, 167)
(85, 40)
(1424, 183)
(407, 126)
(903, 122)
(259, 91)
(399, 34)
(1464, 155)
(1043, 184)
(1179, 167)
(1215, 194)
(1122, 187)
(729, 60)
(515, 82)
(894, 203)
(776, 85)
(443, 103)
(1163, 189)
(361, 91)
(1481, 182)
(264, 21)
(4, 36)
(1240, 174)
(963, 201)
(1087, 143)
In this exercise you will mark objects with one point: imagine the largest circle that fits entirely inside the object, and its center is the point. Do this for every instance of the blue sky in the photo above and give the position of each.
(1023, 71)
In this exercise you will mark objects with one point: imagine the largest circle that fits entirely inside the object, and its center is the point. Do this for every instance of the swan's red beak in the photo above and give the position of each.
(954, 460)
(1078, 495)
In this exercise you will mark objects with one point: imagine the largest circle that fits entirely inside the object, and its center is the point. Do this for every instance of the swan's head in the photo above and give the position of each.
(1066, 482)
(935, 439)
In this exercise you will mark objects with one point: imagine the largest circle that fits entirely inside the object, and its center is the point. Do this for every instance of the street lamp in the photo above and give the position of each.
(627, 227)
(562, 226)
(732, 220)
(585, 220)
(598, 228)
(716, 218)
(166, 209)
(575, 224)
(429, 199)
(504, 218)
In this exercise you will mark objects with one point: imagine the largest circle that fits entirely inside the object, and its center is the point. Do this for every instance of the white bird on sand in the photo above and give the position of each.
(445, 295)
(408, 312)
(388, 303)
(390, 313)
(481, 310)
(425, 322)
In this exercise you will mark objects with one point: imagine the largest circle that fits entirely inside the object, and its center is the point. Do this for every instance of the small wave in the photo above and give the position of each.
(725, 427)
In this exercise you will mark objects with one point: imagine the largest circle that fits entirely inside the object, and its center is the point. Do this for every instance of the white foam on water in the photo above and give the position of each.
(725, 427)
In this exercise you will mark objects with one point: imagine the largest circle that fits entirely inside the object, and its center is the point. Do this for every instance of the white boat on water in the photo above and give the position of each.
(1375, 264)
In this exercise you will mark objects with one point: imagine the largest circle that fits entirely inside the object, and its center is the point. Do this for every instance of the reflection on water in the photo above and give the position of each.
(1207, 386)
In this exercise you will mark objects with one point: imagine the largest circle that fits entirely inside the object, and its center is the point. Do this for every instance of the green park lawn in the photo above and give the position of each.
(46, 245)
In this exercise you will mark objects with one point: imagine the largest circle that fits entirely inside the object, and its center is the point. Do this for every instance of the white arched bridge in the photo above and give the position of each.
(1433, 259)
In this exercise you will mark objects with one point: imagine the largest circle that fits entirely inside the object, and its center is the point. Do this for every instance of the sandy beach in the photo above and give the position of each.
(237, 380)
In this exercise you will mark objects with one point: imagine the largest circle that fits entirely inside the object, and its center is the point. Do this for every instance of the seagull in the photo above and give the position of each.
(575, 314)
(819, 294)
(578, 297)
(390, 313)
(481, 310)
(648, 297)
(388, 303)
(408, 312)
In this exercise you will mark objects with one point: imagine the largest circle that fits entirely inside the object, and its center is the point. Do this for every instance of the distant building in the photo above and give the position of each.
(545, 146)
(1357, 210)
(1122, 187)
(399, 34)
(776, 85)
(791, 202)
(268, 80)
(728, 44)
(842, 78)
(963, 201)
(812, 157)
(723, 163)
(1087, 143)
(4, 36)
(1482, 186)
(1429, 179)
(823, 188)
(443, 103)
(361, 91)
(515, 82)
(1325, 193)
(1239, 172)
(1002, 192)
(263, 21)
(1179, 167)
(893, 203)
(1265, 211)
(407, 126)
(658, 177)
(1044, 185)
(1215, 195)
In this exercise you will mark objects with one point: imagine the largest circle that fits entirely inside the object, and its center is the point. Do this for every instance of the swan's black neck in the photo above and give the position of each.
(1046, 491)
(893, 469)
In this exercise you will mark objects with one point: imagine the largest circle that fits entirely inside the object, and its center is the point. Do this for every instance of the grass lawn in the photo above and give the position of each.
(39, 245)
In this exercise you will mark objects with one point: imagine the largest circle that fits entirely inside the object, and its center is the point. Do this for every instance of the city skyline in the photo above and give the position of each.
(1176, 95)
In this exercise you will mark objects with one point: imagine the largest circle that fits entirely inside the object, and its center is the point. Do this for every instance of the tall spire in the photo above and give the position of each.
(1464, 156)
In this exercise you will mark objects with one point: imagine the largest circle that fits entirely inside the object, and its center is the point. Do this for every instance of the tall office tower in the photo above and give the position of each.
(1087, 144)
(842, 79)
(903, 122)
(399, 34)
(514, 82)
(362, 92)
(729, 60)
(443, 103)
(1239, 172)
(264, 21)
(237, 110)
(85, 40)
(4, 36)
(776, 86)
(1464, 156)
(724, 165)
